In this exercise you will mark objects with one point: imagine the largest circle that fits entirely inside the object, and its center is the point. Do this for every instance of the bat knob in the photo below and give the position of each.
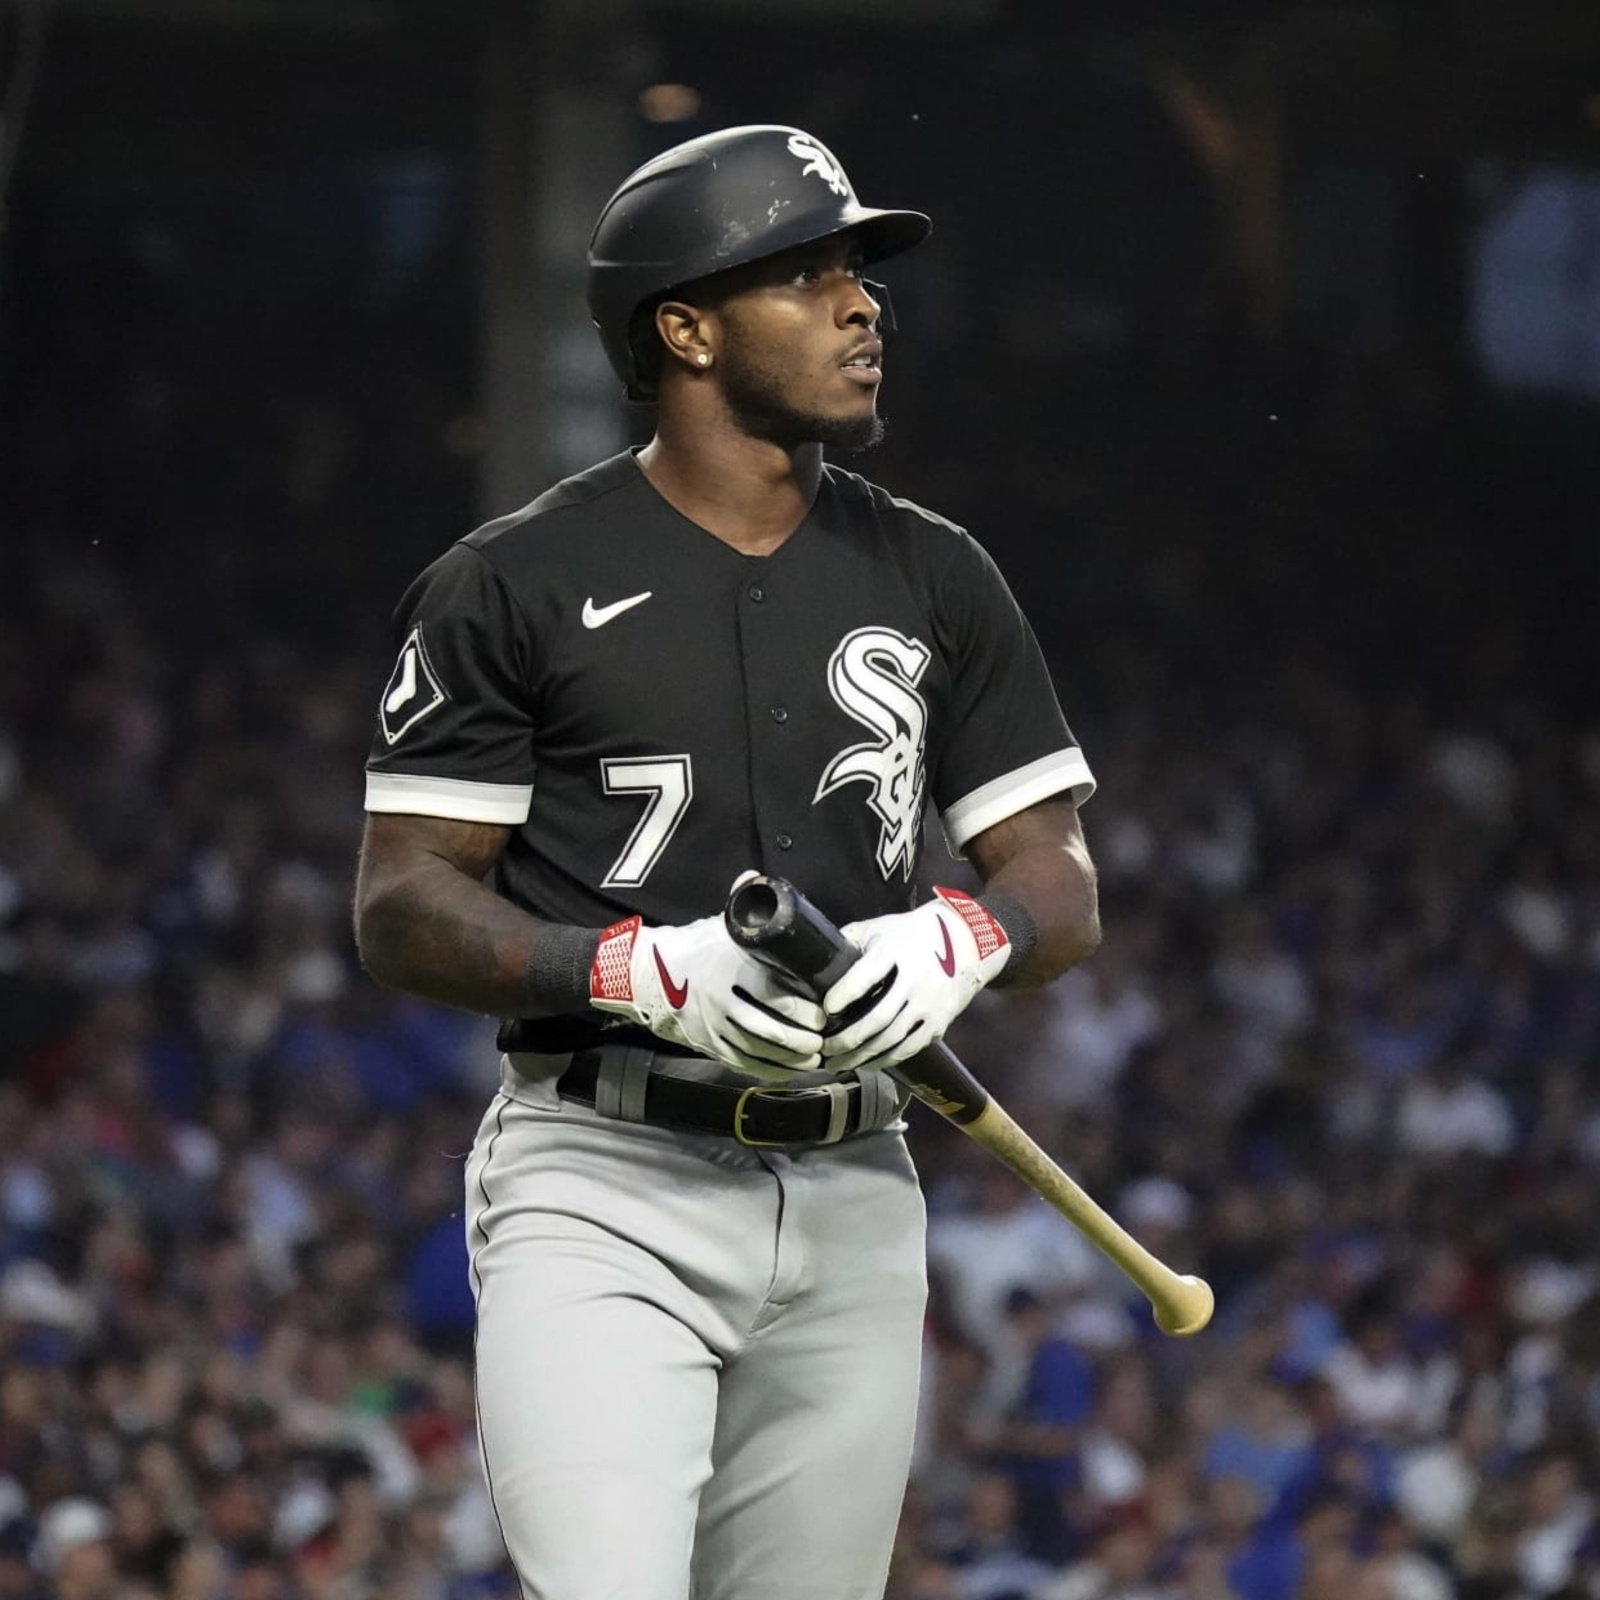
(753, 908)
(1186, 1308)
(771, 919)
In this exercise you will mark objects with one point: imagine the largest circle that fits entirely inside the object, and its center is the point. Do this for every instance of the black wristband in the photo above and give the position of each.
(1016, 920)
(558, 971)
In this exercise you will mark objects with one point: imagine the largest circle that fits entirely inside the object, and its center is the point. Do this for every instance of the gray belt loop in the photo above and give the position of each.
(880, 1099)
(636, 1064)
(620, 1084)
(838, 1111)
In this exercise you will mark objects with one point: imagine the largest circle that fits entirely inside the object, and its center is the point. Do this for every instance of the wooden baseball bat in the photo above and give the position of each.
(776, 923)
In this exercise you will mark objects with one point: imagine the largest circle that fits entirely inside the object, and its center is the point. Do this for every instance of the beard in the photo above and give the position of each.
(756, 396)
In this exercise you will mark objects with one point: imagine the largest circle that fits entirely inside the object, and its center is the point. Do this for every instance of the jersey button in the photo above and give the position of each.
(780, 714)
(757, 593)
(784, 841)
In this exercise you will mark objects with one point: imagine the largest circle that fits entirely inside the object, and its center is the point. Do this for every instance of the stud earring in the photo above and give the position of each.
(703, 359)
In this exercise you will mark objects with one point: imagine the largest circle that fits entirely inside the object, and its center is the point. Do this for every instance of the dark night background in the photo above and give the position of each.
(1195, 350)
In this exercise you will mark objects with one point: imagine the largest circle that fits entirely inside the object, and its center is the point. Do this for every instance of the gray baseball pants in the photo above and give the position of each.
(697, 1363)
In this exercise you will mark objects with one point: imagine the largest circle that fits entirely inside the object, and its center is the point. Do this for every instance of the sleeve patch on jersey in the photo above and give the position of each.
(413, 690)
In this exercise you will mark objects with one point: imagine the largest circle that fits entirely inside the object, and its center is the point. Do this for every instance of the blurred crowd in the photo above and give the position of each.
(1338, 1053)
(234, 1318)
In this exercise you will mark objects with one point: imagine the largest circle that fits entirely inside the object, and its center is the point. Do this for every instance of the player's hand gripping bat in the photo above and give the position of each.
(777, 924)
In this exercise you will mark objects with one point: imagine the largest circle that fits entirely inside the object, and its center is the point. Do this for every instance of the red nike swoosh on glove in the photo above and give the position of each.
(947, 957)
(677, 993)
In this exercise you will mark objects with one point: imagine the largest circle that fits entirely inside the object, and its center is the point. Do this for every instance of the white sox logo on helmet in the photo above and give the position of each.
(873, 676)
(818, 161)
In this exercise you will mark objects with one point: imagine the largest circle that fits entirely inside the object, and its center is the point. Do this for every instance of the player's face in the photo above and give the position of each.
(799, 356)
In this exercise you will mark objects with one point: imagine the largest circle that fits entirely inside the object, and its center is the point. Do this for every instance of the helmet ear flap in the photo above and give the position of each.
(644, 351)
(880, 293)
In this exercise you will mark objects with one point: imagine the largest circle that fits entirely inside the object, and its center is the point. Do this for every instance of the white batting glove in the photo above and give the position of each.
(935, 959)
(694, 986)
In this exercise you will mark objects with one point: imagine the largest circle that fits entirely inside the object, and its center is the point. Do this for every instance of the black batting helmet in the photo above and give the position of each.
(716, 202)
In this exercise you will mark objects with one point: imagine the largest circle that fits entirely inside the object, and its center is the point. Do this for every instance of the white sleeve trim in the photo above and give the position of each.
(1005, 796)
(457, 798)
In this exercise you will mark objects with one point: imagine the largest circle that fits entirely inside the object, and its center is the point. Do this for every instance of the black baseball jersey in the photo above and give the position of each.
(651, 712)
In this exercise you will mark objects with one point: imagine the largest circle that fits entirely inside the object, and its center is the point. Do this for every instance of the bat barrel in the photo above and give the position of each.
(1182, 1305)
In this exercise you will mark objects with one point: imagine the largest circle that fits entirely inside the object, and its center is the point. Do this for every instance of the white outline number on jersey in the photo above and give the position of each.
(669, 782)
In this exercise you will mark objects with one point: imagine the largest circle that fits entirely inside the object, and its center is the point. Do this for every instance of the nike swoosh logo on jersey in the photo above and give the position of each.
(598, 616)
(676, 993)
(947, 956)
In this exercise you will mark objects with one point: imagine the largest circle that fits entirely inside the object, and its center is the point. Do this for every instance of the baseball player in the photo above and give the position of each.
(696, 1235)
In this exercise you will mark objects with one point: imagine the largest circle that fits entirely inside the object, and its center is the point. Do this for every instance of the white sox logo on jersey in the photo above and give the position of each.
(818, 161)
(873, 676)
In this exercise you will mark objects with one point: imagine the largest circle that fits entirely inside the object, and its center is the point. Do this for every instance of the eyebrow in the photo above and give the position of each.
(829, 251)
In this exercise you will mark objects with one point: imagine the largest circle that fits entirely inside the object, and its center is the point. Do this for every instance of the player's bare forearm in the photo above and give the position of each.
(426, 922)
(1039, 858)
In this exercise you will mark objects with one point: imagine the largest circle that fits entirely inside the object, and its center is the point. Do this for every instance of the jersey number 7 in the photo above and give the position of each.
(668, 781)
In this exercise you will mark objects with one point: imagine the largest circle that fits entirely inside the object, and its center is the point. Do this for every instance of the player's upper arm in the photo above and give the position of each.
(394, 847)
(426, 923)
(1051, 826)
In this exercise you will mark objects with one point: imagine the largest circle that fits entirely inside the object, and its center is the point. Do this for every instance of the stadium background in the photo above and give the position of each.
(1259, 342)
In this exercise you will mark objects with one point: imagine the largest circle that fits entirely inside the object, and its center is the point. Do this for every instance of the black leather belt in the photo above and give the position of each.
(756, 1115)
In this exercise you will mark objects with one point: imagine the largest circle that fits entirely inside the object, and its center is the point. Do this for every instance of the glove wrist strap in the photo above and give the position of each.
(611, 973)
(1020, 929)
(1015, 922)
(989, 938)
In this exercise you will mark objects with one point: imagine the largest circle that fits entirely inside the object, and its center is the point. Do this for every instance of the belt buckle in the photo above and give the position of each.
(738, 1123)
(836, 1093)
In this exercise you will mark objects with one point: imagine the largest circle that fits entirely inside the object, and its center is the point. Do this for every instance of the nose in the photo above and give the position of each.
(857, 308)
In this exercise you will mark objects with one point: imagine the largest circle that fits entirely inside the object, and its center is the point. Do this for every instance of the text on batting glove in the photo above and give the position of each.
(692, 985)
(929, 963)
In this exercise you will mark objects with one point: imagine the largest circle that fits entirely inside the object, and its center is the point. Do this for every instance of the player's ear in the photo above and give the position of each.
(684, 335)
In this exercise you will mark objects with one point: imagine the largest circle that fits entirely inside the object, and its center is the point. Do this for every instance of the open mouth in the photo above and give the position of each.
(865, 367)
